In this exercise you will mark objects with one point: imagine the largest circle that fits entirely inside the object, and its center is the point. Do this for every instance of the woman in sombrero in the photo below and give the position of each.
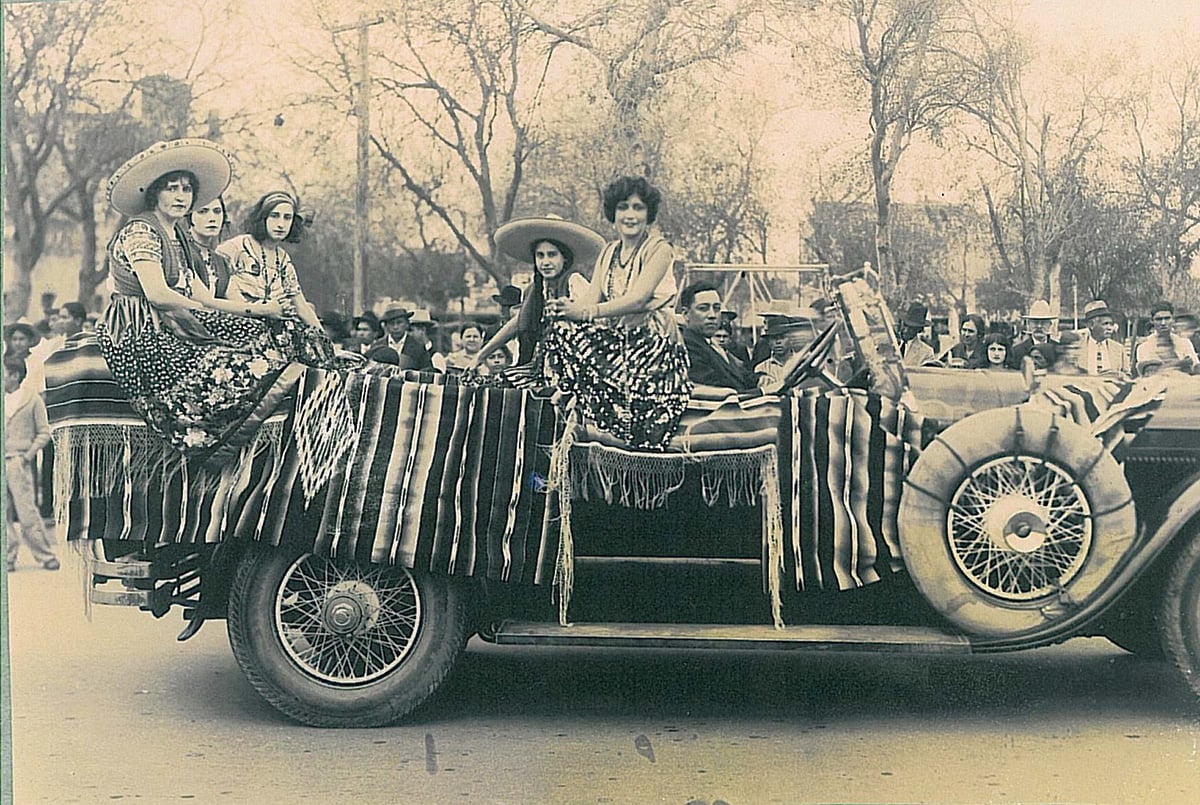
(557, 249)
(194, 366)
(617, 348)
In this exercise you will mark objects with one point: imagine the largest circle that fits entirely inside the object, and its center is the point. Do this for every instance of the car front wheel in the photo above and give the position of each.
(1180, 614)
(334, 644)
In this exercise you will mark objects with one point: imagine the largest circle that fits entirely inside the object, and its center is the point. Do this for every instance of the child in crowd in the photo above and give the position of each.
(497, 361)
(26, 432)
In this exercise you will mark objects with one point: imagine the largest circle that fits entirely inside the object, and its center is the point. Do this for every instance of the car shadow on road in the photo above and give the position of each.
(1085, 677)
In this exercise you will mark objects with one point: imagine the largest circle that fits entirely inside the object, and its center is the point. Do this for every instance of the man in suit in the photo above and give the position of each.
(709, 366)
(412, 351)
(1038, 343)
(1097, 352)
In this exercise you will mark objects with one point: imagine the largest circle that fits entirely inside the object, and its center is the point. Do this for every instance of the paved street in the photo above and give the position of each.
(116, 710)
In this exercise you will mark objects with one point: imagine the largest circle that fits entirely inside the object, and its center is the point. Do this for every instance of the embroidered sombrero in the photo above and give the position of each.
(516, 239)
(211, 164)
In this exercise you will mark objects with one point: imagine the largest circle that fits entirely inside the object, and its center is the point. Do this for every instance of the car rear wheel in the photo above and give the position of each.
(335, 644)
(1180, 614)
(1012, 518)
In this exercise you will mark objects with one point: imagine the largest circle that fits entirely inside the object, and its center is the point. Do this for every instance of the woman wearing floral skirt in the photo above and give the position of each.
(195, 367)
(617, 348)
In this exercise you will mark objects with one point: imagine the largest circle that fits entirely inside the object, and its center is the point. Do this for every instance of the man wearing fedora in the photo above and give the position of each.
(508, 298)
(1038, 342)
(914, 350)
(411, 350)
(1096, 351)
(783, 334)
(701, 305)
(421, 327)
(734, 345)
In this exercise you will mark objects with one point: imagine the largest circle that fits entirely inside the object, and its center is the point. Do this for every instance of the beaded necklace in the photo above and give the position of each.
(627, 267)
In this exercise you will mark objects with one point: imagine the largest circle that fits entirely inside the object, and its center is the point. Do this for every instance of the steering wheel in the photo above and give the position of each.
(811, 362)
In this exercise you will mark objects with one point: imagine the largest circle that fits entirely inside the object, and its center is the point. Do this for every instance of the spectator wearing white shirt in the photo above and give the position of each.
(1174, 351)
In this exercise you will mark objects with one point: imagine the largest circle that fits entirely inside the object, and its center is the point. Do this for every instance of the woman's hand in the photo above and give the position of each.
(563, 308)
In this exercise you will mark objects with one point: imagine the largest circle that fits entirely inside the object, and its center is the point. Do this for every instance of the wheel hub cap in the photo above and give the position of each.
(1018, 523)
(1019, 528)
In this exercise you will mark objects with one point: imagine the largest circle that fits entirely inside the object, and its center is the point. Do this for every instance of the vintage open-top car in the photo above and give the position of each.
(861, 507)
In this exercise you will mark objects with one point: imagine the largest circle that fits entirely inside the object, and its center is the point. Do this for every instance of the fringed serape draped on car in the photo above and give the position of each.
(457, 480)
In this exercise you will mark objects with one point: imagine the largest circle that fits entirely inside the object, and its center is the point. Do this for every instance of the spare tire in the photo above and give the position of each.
(1013, 517)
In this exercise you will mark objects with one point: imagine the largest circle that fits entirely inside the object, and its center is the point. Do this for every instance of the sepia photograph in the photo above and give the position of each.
(698, 402)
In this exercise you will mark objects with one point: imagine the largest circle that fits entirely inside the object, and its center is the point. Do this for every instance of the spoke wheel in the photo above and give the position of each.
(1019, 528)
(343, 645)
(1011, 519)
(346, 625)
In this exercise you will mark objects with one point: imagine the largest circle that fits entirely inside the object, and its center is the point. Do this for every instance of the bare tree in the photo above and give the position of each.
(641, 45)
(715, 183)
(1166, 169)
(900, 54)
(1043, 152)
(458, 122)
(48, 78)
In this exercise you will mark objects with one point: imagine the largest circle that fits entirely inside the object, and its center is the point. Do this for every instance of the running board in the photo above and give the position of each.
(900, 639)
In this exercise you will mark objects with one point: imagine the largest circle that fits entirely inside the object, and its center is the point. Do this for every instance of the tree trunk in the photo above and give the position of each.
(1054, 286)
(888, 281)
(18, 290)
(90, 274)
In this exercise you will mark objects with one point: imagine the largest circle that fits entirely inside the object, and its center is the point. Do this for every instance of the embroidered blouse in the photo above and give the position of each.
(259, 273)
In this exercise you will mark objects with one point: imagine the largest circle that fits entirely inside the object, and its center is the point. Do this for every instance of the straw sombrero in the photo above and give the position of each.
(211, 164)
(516, 239)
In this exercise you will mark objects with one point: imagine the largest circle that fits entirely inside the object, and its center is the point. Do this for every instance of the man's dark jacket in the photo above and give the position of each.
(416, 353)
(710, 369)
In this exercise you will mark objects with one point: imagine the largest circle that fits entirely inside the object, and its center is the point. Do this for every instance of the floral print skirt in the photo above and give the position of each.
(195, 395)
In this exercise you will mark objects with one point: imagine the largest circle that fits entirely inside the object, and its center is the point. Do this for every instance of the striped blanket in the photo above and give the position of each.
(441, 477)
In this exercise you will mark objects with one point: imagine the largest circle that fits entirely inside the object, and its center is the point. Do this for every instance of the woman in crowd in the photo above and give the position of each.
(996, 349)
(208, 224)
(617, 347)
(498, 361)
(557, 249)
(194, 366)
(471, 335)
(968, 353)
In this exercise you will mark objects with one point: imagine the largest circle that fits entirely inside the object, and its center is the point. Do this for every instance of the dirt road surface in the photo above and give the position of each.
(115, 710)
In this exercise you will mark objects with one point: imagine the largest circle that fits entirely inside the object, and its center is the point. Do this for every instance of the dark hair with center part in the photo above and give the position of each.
(160, 184)
(563, 249)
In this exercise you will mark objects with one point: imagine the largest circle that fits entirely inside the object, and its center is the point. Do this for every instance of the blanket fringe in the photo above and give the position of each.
(561, 486)
(773, 534)
(99, 461)
(631, 480)
(647, 481)
(738, 476)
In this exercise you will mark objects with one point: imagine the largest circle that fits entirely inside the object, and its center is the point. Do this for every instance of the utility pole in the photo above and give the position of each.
(362, 111)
